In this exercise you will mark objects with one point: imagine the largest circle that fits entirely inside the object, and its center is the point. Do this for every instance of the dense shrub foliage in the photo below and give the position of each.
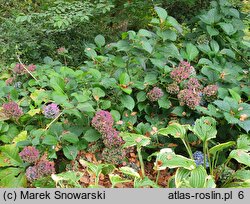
(166, 105)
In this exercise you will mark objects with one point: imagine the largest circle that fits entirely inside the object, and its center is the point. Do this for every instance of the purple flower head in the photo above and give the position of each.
(32, 173)
(12, 110)
(31, 67)
(182, 72)
(189, 98)
(19, 69)
(45, 167)
(111, 138)
(193, 84)
(29, 154)
(210, 92)
(102, 120)
(199, 158)
(173, 88)
(155, 94)
(51, 111)
(9, 81)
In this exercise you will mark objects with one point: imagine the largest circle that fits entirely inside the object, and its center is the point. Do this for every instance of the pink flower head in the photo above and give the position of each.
(210, 92)
(45, 167)
(173, 88)
(32, 173)
(102, 120)
(9, 81)
(111, 138)
(193, 84)
(12, 110)
(29, 154)
(155, 94)
(31, 67)
(189, 98)
(51, 111)
(19, 69)
(182, 72)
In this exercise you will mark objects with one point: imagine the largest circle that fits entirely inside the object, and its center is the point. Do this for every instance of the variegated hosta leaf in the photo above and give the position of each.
(175, 129)
(132, 139)
(166, 158)
(205, 128)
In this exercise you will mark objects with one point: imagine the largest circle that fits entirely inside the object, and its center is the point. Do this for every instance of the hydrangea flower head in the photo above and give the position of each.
(155, 94)
(29, 154)
(199, 158)
(45, 167)
(193, 84)
(113, 155)
(173, 88)
(182, 72)
(31, 67)
(9, 81)
(189, 98)
(111, 138)
(210, 92)
(51, 111)
(12, 110)
(102, 120)
(32, 173)
(19, 69)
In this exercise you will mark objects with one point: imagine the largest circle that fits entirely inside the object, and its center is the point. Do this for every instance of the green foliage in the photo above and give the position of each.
(133, 79)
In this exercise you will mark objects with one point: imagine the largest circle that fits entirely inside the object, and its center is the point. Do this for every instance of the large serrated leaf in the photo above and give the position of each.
(174, 129)
(9, 156)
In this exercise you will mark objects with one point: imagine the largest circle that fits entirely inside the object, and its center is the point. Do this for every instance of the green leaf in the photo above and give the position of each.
(166, 158)
(124, 78)
(71, 178)
(228, 52)
(228, 28)
(132, 139)
(215, 46)
(243, 142)
(12, 178)
(141, 96)
(220, 147)
(90, 52)
(82, 96)
(105, 104)
(128, 102)
(99, 40)
(98, 93)
(205, 128)
(241, 156)
(145, 182)
(85, 107)
(9, 156)
(70, 152)
(147, 46)
(129, 171)
(116, 179)
(162, 13)
(115, 115)
(174, 129)
(50, 140)
(242, 174)
(198, 177)
(92, 135)
(212, 31)
(235, 95)
(164, 102)
(95, 73)
(70, 137)
(96, 169)
(20, 137)
(181, 177)
(57, 84)
(191, 51)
